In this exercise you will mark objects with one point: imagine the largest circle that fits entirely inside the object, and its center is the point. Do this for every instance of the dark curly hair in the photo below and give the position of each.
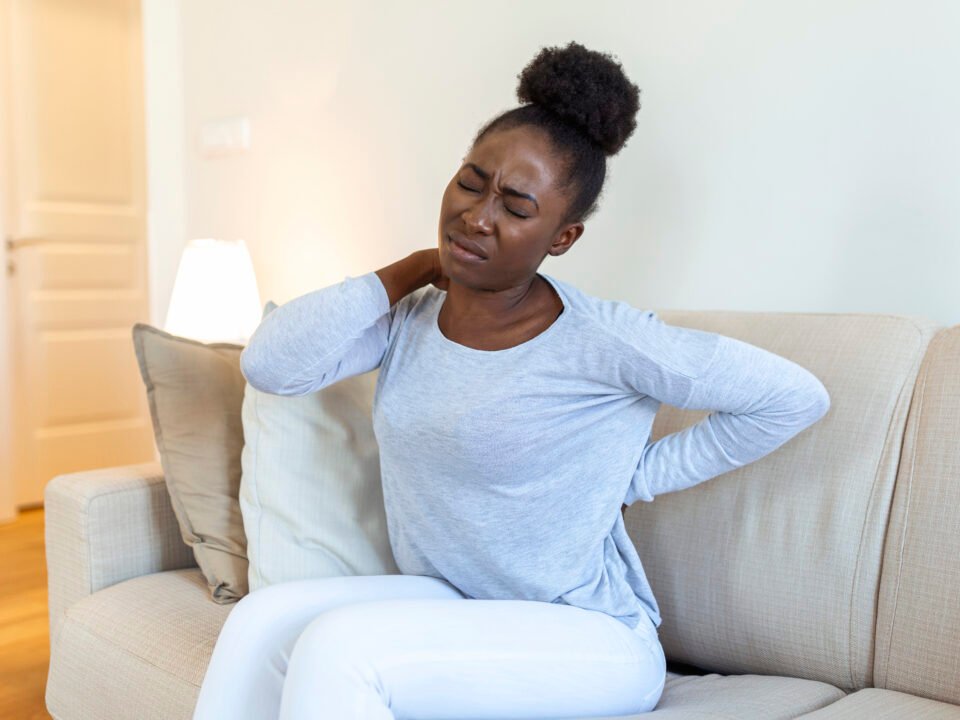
(586, 104)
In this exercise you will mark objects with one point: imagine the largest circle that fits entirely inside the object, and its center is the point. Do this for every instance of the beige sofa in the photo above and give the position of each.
(822, 581)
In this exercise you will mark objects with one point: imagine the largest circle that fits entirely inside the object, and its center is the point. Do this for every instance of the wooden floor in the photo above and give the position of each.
(24, 629)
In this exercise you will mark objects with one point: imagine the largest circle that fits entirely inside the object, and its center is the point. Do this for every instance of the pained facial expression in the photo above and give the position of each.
(505, 200)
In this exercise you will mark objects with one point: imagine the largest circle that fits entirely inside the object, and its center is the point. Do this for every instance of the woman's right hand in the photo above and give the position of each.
(414, 271)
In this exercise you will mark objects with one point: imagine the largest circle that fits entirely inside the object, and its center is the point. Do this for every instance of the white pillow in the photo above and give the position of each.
(310, 490)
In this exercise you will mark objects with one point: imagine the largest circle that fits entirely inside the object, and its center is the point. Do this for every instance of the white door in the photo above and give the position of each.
(76, 234)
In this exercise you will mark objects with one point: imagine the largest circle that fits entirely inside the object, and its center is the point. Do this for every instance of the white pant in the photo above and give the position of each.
(378, 647)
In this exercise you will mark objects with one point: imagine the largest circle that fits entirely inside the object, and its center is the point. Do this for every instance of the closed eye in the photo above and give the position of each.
(469, 189)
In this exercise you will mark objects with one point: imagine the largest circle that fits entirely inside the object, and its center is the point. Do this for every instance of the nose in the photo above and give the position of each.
(476, 218)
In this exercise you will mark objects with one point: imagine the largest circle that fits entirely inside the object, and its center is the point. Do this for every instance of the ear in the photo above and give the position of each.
(567, 237)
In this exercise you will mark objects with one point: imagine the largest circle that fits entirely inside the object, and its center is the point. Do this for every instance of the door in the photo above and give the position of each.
(76, 235)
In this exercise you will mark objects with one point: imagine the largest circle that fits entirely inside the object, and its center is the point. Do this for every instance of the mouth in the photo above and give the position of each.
(465, 249)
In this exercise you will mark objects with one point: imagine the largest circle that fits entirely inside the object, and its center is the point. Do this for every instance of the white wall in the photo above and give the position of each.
(788, 156)
(166, 149)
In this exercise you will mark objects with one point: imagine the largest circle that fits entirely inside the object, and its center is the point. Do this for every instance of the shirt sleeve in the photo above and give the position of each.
(321, 337)
(759, 400)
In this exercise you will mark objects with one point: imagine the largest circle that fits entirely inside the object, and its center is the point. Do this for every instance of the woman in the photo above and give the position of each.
(512, 413)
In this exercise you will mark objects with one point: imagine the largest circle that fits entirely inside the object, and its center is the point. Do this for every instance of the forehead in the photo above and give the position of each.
(522, 157)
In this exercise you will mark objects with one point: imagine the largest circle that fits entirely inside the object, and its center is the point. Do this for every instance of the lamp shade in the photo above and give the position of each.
(215, 296)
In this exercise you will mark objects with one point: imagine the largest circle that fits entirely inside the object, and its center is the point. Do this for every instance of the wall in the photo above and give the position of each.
(166, 148)
(788, 156)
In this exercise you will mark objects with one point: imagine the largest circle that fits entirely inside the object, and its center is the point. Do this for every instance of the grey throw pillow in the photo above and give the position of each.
(195, 392)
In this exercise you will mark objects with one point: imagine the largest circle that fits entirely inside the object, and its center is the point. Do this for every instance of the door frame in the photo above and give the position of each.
(8, 488)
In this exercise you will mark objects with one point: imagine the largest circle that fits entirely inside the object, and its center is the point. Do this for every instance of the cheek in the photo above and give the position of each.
(447, 202)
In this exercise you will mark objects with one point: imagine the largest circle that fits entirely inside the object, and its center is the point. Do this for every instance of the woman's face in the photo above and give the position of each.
(504, 198)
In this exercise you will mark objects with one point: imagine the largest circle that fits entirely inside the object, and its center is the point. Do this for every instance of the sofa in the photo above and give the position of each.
(821, 581)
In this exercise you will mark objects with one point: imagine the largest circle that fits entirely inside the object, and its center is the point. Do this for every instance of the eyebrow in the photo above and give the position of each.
(506, 189)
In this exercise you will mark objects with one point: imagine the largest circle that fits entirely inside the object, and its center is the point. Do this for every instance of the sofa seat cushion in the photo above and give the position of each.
(156, 633)
(878, 704)
(139, 648)
(726, 697)
(737, 697)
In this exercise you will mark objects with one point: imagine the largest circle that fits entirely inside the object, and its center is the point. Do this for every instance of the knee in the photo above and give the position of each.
(340, 636)
(264, 602)
(336, 658)
(257, 615)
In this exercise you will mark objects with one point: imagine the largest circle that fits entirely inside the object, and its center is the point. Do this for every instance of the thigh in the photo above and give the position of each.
(296, 602)
(276, 614)
(479, 659)
(249, 661)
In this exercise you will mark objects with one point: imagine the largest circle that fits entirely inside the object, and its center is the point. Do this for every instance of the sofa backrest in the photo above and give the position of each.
(918, 628)
(773, 568)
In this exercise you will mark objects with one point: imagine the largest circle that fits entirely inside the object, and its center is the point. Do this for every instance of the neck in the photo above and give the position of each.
(489, 310)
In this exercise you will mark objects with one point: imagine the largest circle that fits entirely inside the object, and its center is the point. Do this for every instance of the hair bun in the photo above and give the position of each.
(587, 89)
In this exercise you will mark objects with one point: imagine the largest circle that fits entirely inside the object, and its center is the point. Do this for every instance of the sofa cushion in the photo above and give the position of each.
(918, 631)
(139, 648)
(156, 633)
(878, 704)
(310, 489)
(773, 568)
(725, 697)
(195, 392)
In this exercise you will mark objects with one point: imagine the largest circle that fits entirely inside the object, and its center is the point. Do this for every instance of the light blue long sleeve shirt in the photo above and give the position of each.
(504, 471)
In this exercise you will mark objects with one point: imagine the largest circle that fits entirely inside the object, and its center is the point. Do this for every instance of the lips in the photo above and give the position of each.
(468, 245)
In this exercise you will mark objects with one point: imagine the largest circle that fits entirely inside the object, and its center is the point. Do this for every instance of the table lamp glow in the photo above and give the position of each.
(215, 296)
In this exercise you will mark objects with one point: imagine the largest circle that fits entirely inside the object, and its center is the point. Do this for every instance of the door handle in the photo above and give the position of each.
(18, 242)
(13, 243)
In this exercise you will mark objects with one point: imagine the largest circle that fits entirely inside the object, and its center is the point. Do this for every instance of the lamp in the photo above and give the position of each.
(215, 296)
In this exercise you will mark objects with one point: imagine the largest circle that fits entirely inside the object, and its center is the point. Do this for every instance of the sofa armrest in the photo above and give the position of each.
(105, 526)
